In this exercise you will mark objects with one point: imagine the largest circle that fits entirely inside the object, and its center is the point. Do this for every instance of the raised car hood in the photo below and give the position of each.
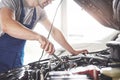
(101, 10)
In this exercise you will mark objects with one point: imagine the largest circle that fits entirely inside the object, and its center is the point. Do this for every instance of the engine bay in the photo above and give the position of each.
(84, 66)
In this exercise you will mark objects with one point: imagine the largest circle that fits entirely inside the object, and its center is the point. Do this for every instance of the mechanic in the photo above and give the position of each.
(17, 19)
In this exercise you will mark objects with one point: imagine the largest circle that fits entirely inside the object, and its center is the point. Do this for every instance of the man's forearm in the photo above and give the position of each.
(13, 28)
(58, 36)
(17, 30)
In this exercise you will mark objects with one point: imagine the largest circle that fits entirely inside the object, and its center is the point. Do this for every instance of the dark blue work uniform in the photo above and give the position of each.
(12, 49)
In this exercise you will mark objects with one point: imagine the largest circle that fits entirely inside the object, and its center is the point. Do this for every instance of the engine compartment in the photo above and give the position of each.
(83, 66)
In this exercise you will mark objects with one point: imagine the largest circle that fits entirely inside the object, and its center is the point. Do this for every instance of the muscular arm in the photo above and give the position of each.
(13, 28)
(10, 26)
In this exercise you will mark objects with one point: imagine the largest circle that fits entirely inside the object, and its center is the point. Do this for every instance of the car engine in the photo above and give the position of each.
(80, 67)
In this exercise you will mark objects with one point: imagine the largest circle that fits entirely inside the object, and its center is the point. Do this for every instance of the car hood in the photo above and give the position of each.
(101, 10)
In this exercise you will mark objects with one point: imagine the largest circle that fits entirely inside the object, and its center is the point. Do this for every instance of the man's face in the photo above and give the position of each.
(44, 3)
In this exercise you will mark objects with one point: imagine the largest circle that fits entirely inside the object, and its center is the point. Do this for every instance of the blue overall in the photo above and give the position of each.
(12, 49)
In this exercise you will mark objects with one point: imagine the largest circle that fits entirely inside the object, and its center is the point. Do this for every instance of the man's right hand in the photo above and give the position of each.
(46, 45)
